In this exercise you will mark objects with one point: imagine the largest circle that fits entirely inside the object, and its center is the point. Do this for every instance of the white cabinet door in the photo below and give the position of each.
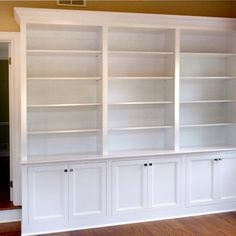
(48, 196)
(129, 186)
(164, 183)
(201, 179)
(227, 178)
(87, 190)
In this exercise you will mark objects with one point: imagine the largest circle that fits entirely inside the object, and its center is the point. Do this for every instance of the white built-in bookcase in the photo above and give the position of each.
(95, 90)
(64, 90)
(140, 89)
(207, 89)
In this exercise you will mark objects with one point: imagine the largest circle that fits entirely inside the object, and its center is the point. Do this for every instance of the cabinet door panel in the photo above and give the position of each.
(129, 186)
(201, 180)
(227, 179)
(165, 183)
(48, 195)
(87, 190)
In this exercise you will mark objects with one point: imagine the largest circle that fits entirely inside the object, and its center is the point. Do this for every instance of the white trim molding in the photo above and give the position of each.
(10, 216)
(14, 112)
(47, 16)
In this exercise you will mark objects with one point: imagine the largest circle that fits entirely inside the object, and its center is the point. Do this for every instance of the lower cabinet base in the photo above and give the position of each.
(29, 229)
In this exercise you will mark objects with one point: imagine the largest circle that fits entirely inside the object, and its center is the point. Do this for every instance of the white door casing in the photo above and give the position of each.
(14, 112)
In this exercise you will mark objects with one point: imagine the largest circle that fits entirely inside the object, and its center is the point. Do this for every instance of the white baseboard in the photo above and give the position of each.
(10, 216)
(29, 230)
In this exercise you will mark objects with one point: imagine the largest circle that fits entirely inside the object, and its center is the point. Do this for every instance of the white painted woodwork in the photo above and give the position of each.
(87, 194)
(140, 88)
(146, 185)
(140, 140)
(164, 183)
(48, 195)
(201, 180)
(63, 37)
(141, 40)
(211, 179)
(200, 41)
(227, 178)
(127, 89)
(129, 186)
(12, 41)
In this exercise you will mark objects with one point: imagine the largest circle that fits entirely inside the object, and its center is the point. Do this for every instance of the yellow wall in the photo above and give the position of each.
(218, 8)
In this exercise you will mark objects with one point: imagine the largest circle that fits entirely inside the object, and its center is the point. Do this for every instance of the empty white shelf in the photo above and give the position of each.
(206, 125)
(140, 53)
(63, 105)
(141, 77)
(206, 148)
(60, 157)
(197, 54)
(63, 52)
(208, 78)
(207, 101)
(63, 131)
(64, 78)
(141, 103)
(141, 128)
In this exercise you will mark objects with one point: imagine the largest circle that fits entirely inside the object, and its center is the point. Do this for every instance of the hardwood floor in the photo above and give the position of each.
(10, 229)
(209, 225)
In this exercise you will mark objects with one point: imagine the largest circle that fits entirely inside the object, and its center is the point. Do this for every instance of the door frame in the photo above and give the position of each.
(14, 113)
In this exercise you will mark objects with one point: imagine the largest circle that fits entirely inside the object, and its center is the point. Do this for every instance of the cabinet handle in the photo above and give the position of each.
(220, 159)
(150, 164)
(71, 170)
(65, 170)
(216, 159)
(145, 164)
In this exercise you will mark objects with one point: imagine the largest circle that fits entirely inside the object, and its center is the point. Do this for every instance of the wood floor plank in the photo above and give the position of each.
(10, 229)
